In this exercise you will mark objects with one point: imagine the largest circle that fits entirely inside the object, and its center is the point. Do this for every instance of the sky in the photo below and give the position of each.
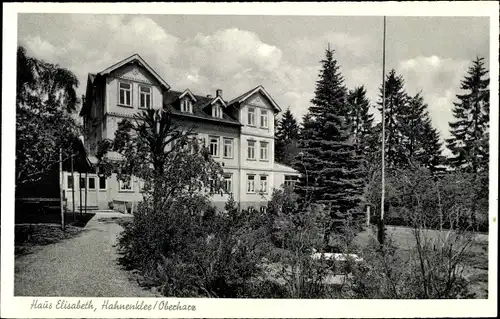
(282, 53)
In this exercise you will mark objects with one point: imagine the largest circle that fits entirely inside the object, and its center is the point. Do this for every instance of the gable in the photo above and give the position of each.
(259, 100)
(136, 60)
(135, 73)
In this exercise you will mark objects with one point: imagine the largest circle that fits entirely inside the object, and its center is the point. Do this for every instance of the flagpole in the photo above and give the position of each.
(381, 234)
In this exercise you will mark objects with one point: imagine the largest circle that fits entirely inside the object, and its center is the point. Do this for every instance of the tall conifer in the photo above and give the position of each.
(328, 160)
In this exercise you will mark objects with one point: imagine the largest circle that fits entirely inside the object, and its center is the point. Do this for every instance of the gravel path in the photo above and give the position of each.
(84, 266)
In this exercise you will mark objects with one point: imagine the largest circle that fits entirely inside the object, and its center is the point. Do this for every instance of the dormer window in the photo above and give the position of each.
(217, 111)
(186, 106)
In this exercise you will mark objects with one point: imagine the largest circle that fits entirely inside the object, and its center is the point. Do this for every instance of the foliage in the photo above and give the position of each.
(44, 123)
(361, 121)
(296, 229)
(452, 200)
(287, 131)
(330, 167)
(410, 138)
(470, 128)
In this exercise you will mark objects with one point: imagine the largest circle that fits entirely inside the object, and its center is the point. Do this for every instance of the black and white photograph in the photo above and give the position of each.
(176, 157)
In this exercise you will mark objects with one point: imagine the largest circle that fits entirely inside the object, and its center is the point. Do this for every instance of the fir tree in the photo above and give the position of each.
(328, 160)
(470, 127)
(287, 133)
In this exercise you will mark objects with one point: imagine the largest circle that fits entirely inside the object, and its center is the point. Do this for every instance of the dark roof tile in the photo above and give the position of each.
(199, 110)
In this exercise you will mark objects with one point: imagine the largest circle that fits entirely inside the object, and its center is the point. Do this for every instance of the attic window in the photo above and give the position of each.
(217, 111)
(186, 106)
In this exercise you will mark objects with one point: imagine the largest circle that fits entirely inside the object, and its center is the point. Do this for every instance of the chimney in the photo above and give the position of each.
(219, 93)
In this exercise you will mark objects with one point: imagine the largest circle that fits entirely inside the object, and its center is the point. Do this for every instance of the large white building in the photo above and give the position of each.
(239, 133)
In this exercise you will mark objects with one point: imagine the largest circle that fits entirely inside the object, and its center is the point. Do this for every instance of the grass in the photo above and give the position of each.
(35, 230)
(476, 263)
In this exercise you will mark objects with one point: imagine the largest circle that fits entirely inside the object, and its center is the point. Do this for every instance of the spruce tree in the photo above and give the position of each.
(395, 104)
(360, 119)
(328, 160)
(419, 140)
(471, 124)
(287, 133)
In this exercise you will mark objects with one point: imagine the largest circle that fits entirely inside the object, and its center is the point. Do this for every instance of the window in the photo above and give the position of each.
(82, 182)
(263, 151)
(251, 116)
(214, 146)
(125, 94)
(263, 183)
(125, 185)
(251, 184)
(145, 97)
(290, 180)
(217, 111)
(70, 182)
(263, 119)
(228, 184)
(228, 148)
(186, 106)
(251, 150)
(102, 182)
(91, 182)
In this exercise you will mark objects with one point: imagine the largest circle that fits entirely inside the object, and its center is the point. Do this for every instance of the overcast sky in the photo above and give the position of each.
(282, 53)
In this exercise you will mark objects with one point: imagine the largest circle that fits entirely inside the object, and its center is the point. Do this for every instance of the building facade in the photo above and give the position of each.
(239, 133)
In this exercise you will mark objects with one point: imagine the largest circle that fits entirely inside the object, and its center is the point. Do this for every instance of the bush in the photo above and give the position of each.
(111, 205)
(190, 250)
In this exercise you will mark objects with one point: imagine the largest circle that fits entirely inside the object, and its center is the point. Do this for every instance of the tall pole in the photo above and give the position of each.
(80, 187)
(73, 187)
(61, 194)
(381, 234)
(86, 190)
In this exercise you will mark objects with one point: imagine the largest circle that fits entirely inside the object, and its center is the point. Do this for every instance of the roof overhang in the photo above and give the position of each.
(187, 92)
(259, 89)
(135, 58)
(218, 99)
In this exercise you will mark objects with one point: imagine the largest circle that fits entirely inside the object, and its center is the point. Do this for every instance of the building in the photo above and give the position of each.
(238, 132)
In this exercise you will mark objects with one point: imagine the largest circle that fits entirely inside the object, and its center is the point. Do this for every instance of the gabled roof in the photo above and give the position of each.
(172, 97)
(248, 94)
(187, 92)
(137, 58)
(218, 98)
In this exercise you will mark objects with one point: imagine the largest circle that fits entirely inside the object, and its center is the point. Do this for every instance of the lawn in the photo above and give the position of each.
(477, 255)
(35, 230)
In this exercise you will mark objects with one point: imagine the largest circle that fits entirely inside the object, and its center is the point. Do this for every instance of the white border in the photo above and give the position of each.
(18, 307)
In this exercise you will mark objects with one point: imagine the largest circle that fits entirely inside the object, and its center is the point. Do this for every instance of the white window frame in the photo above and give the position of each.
(251, 116)
(217, 111)
(263, 184)
(228, 179)
(230, 147)
(290, 180)
(80, 183)
(251, 189)
(264, 122)
(264, 146)
(186, 105)
(105, 182)
(68, 184)
(251, 146)
(120, 89)
(150, 94)
(88, 182)
(122, 189)
(218, 145)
